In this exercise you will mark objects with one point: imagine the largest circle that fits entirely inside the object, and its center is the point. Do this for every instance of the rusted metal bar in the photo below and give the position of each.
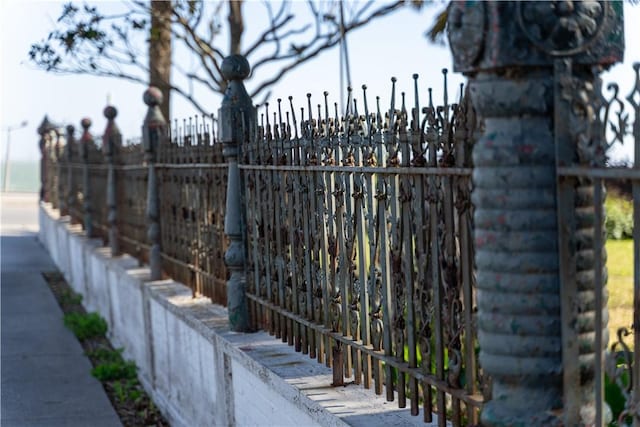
(206, 166)
(473, 400)
(366, 169)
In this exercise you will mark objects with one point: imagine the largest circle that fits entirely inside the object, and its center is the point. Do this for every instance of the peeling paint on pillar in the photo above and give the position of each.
(509, 49)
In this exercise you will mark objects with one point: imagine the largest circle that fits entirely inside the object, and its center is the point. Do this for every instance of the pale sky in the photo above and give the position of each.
(392, 46)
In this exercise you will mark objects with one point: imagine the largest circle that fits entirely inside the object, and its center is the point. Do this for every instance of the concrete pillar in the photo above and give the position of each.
(530, 65)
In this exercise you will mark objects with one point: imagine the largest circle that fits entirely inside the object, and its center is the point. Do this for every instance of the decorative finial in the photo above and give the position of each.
(85, 123)
(45, 126)
(110, 112)
(235, 67)
(152, 96)
(71, 129)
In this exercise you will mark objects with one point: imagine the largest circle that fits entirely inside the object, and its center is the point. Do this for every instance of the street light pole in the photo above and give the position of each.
(5, 181)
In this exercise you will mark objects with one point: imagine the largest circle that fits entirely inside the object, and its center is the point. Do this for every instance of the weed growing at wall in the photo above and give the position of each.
(118, 376)
(86, 325)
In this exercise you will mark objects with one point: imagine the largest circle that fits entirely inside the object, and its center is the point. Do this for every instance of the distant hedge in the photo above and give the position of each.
(619, 220)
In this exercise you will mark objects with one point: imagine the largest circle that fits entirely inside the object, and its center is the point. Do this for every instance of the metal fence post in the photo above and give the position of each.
(44, 131)
(237, 119)
(86, 141)
(111, 142)
(61, 165)
(535, 315)
(154, 131)
(71, 191)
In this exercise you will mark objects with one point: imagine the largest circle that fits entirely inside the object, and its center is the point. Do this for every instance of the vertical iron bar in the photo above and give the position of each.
(635, 188)
(434, 255)
(86, 144)
(308, 307)
(567, 261)
(362, 272)
(466, 255)
(406, 197)
(387, 311)
(600, 323)
(293, 239)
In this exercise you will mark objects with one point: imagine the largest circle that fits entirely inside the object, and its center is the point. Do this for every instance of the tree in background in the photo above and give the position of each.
(160, 51)
(87, 41)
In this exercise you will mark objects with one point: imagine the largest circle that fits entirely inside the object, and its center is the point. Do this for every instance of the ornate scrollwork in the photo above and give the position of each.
(569, 29)
(466, 29)
(619, 367)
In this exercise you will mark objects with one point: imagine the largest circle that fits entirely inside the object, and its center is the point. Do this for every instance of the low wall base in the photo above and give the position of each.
(198, 372)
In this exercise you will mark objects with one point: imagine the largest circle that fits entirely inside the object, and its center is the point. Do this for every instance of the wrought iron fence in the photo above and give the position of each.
(358, 231)
(73, 186)
(360, 250)
(584, 179)
(192, 190)
(52, 169)
(131, 200)
(97, 168)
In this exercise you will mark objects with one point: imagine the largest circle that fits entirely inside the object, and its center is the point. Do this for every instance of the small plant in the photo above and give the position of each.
(127, 390)
(86, 326)
(69, 298)
(119, 391)
(117, 376)
(115, 371)
(106, 355)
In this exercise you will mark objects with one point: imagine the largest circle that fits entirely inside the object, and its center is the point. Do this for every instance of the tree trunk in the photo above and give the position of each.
(236, 27)
(160, 52)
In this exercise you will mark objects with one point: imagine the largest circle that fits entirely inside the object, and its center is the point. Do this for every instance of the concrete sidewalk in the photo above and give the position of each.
(46, 379)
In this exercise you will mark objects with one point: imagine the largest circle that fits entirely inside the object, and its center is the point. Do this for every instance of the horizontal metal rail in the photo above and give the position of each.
(609, 173)
(448, 171)
(475, 400)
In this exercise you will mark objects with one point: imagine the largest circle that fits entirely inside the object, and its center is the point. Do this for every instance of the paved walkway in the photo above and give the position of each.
(46, 378)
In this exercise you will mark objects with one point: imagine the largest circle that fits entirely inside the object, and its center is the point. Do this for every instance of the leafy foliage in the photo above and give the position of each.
(115, 371)
(86, 326)
(619, 221)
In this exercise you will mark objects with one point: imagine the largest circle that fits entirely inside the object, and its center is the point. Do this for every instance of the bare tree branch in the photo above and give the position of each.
(85, 41)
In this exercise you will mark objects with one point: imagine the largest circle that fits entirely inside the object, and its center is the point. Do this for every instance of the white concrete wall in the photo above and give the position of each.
(198, 372)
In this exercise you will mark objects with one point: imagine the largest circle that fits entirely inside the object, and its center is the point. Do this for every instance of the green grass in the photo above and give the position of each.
(620, 285)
